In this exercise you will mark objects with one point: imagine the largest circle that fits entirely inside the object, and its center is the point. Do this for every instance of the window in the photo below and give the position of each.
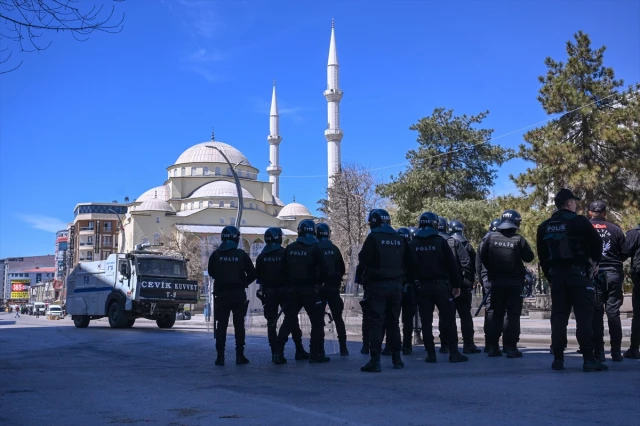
(217, 171)
(221, 204)
(106, 241)
(210, 204)
(156, 239)
(90, 240)
(205, 171)
(239, 173)
(175, 172)
(229, 172)
(200, 204)
(183, 171)
(193, 171)
(107, 227)
(233, 204)
(232, 221)
(145, 240)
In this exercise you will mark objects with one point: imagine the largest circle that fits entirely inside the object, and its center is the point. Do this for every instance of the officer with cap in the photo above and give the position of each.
(609, 282)
(272, 290)
(503, 253)
(330, 292)
(408, 305)
(304, 271)
(483, 277)
(382, 263)
(437, 279)
(232, 271)
(465, 256)
(569, 250)
(632, 249)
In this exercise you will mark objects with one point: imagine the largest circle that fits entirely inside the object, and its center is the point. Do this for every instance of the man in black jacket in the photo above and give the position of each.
(632, 249)
(569, 250)
(609, 282)
(232, 271)
(503, 254)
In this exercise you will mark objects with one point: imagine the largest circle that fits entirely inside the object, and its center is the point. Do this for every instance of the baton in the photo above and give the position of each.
(484, 301)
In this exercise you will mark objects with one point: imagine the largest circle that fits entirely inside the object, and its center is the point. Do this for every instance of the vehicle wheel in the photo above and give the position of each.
(117, 318)
(167, 321)
(81, 321)
(131, 322)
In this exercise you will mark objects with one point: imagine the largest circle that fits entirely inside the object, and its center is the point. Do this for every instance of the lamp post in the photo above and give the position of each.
(237, 180)
(120, 227)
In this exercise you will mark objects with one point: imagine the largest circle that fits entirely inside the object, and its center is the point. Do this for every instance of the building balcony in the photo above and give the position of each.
(86, 247)
(334, 135)
(86, 230)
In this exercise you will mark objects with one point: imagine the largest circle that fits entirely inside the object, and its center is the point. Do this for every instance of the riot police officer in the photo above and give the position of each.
(609, 284)
(437, 280)
(330, 292)
(503, 253)
(272, 291)
(304, 271)
(408, 305)
(569, 249)
(486, 288)
(632, 250)
(384, 259)
(462, 303)
(232, 271)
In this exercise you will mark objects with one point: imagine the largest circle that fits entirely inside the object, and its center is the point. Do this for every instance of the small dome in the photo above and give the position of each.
(220, 188)
(155, 205)
(159, 192)
(294, 209)
(201, 154)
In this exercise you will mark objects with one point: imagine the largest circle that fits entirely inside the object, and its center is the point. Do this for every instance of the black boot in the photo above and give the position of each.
(591, 364)
(632, 353)
(513, 352)
(344, 351)
(316, 358)
(373, 366)
(240, 358)
(598, 354)
(558, 363)
(278, 358)
(301, 354)
(494, 351)
(407, 347)
(470, 348)
(616, 354)
(220, 358)
(457, 357)
(431, 357)
(397, 360)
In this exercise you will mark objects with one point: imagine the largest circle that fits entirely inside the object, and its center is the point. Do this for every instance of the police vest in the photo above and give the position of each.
(390, 248)
(229, 269)
(563, 247)
(331, 254)
(271, 268)
(431, 263)
(505, 257)
(301, 267)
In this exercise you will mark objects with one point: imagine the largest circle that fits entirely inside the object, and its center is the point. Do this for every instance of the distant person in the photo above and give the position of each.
(17, 312)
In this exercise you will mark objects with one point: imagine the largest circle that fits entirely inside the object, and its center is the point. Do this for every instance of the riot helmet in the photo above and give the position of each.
(405, 232)
(306, 227)
(442, 224)
(456, 227)
(230, 233)
(378, 217)
(323, 231)
(273, 236)
(493, 227)
(510, 220)
(428, 219)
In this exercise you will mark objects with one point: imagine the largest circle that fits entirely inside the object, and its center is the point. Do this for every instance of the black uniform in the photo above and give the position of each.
(330, 292)
(503, 253)
(269, 276)
(610, 295)
(382, 262)
(466, 266)
(483, 277)
(304, 271)
(232, 271)
(568, 246)
(632, 249)
(436, 273)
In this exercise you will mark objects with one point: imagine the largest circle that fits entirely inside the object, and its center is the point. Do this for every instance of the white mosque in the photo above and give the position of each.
(200, 196)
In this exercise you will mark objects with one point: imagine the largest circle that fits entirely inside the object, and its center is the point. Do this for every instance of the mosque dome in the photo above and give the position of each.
(220, 188)
(155, 205)
(201, 154)
(159, 192)
(294, 209)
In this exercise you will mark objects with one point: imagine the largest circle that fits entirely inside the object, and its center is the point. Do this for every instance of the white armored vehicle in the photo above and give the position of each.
(127, 286)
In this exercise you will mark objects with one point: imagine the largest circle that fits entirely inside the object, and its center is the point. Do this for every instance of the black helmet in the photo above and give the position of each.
(510, 220)
(323, 231)
(377, 217)
(273, 236)
(230, 233)
(412, 231)
(405, 232)
(442, 224)
(428, 219)
(493, 227)
(306, 227)
(456, 227)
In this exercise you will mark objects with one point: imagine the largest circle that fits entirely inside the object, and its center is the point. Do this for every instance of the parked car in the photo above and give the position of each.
(54, 311)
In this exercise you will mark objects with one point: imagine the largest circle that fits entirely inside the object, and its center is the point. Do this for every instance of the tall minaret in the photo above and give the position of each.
(274, 139)
(333, 94)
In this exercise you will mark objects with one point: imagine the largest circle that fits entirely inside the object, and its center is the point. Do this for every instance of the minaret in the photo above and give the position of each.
(333, 94)
(274, 139)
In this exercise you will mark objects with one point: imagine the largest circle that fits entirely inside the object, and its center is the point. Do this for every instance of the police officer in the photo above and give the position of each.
(330, 292)
(272, 291)
(232, 271)
(503, 253)
(452, 232)
(384, 259)
(408, 305)
(304, 271)
(437, 280)
(483, 277)
(569, 249)
(609, 284)
(632, 250)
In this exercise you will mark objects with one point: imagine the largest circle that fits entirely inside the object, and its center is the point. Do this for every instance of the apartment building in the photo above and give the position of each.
(93, 234)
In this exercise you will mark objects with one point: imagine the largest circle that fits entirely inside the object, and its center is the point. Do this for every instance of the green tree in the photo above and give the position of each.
(454, 161)
(594, 146)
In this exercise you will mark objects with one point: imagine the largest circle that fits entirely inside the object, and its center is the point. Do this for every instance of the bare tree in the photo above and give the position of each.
(26, 21)
(349, 201)
(187, 246)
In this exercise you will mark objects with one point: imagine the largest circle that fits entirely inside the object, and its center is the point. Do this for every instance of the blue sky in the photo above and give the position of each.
(101, 120)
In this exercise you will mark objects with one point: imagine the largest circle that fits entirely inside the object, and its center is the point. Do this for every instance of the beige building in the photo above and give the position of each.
(93, 233)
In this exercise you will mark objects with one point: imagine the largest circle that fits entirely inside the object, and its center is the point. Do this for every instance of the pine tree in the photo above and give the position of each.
(593, 148)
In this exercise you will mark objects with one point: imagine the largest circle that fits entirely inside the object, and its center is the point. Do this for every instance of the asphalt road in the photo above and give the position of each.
(55, 374)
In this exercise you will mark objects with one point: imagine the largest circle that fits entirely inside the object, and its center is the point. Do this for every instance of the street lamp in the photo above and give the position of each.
(120, 226)
(237, 180)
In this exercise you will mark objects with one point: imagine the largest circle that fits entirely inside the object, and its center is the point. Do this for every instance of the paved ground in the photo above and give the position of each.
(56, 374)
